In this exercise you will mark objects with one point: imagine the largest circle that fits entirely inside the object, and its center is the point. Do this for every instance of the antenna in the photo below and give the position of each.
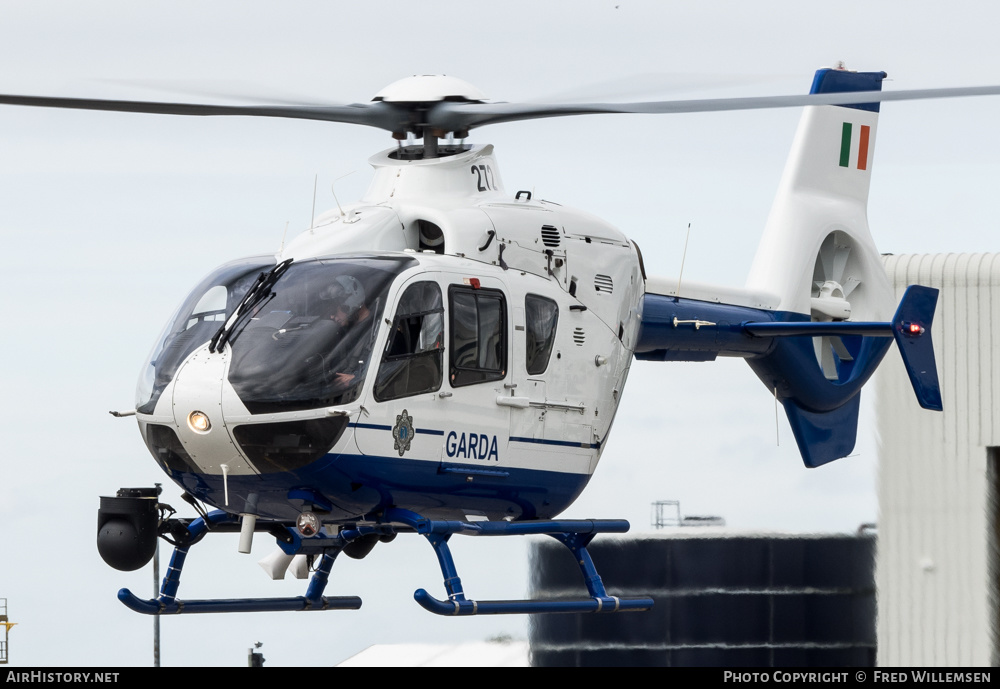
(334, 191)
(777, 426)
(683, 256)
(312, 215)
(283, 235)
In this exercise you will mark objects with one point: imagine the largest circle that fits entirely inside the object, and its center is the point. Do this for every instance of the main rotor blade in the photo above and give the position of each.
(457, 116)
(380, 115)
(449, 116)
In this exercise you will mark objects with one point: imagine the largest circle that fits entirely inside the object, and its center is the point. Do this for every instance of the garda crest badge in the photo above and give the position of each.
(403, 432)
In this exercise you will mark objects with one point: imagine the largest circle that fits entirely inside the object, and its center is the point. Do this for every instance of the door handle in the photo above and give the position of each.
(516, 402)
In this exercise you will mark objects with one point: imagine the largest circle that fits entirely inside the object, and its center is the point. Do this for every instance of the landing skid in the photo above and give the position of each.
(168, 604)
(574, 534)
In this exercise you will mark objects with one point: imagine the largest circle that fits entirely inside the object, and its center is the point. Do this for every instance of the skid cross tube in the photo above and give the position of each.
(168, 604)
(574, 534)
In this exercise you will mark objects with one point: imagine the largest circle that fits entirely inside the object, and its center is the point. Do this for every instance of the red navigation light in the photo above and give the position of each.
(473, 282)
(913, 329)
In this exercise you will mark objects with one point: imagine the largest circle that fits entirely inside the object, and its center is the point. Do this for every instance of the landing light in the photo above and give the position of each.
(199, 423)
(308, 524)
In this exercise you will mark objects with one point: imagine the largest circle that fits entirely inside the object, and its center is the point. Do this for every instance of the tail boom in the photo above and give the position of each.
(778, 346)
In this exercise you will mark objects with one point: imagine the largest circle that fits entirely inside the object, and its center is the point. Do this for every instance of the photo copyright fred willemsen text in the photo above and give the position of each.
(857, 676)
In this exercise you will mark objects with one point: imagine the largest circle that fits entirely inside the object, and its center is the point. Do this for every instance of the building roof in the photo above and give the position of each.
(469, 654)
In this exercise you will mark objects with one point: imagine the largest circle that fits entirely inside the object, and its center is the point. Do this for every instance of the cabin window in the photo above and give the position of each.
(310, 343)
(411, 362)
(541, 317)
(478, 335)
(195, 322)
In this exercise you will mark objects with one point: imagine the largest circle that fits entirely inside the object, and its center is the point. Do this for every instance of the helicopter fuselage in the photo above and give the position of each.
(440, 346)
(445, 358)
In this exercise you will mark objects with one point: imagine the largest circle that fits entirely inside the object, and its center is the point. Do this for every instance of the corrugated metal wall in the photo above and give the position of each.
(722, 599)
(934, 595)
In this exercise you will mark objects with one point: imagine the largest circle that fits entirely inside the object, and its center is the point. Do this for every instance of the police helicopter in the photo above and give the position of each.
(445, 357)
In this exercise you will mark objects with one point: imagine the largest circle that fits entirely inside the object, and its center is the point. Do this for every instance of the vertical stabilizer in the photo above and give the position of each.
(824, 326)
(816, 252)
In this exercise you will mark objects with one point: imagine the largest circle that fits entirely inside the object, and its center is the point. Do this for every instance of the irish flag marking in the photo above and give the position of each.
(846, 137)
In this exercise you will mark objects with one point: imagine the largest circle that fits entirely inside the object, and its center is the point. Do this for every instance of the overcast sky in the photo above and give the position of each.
(107, 221)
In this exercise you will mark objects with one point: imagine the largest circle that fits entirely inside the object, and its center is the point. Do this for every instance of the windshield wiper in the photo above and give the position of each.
(258, 292)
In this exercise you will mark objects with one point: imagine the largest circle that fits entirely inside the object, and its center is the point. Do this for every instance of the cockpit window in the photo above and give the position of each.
(411, 363)
(194, 323)
(308, 344)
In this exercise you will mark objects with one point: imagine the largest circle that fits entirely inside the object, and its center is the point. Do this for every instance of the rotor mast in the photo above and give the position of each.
(430, 143)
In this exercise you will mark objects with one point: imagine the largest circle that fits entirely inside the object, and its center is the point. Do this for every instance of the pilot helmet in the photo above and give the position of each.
(346, 293)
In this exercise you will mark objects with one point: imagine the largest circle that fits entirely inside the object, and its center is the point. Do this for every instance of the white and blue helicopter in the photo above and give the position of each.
(444, 357)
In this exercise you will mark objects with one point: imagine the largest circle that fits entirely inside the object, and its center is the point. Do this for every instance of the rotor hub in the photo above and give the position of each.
(430, 88)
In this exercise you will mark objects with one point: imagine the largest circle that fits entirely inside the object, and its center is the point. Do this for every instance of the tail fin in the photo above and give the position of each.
(817, 253)
(827, 328)
(911, 328)
(818, 256)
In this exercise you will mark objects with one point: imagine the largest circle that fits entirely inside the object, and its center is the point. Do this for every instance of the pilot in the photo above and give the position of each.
(349, 310)
(347, 297)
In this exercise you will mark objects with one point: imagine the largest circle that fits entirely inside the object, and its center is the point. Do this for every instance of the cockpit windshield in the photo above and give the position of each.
(308, 344)
(197, 319)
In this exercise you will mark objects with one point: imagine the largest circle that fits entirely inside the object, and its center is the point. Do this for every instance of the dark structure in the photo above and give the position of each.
(721, 600)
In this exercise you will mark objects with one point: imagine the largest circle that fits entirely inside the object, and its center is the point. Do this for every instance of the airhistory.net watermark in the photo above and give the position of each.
(43, 676)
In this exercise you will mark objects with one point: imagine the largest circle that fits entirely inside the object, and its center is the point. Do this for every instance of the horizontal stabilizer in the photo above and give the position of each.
(910, 327)
(817, 329)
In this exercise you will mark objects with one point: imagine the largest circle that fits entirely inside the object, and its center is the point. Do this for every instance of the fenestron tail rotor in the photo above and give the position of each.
(835, 278)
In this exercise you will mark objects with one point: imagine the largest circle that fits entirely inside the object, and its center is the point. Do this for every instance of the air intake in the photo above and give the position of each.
(550, 236)
(604, 283)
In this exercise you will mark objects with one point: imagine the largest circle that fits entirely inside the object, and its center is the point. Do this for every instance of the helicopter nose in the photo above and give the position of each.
(198, 417)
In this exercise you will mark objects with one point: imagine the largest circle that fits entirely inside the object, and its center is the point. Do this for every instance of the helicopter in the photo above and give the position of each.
(445, 358)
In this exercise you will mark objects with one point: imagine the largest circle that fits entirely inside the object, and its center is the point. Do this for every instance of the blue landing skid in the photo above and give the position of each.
(574, 534)
(160, 606)
(167, 603)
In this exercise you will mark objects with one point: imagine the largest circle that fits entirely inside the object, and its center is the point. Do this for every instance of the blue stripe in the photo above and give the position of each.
(560, 443)
(538, 441)
(380, 427)
(371, 426)
(467, 470)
